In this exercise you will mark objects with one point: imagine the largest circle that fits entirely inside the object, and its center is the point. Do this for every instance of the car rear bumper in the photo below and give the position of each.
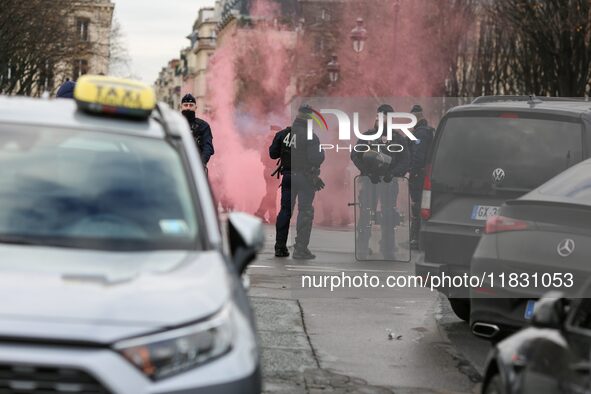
(508, 314)
(494, 304)
(448, 250)
(503, 301)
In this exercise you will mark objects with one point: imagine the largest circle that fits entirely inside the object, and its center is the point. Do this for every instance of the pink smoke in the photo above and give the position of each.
(252, 81)
(247, 92)
(411, 46)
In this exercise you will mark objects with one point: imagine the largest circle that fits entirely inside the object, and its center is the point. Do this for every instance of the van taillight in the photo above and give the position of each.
(426, 201)
(499, 224)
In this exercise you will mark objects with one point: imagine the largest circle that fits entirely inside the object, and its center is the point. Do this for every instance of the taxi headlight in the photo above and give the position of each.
(166, 354)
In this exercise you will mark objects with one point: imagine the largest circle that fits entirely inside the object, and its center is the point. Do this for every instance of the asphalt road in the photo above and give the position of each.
(358, 340)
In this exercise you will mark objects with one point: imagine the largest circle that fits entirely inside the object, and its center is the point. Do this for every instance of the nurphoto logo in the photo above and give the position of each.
(389, 122)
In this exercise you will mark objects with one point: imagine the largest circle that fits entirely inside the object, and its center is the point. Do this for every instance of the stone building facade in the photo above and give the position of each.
(203, 43)
(91, 22)
(168, 84)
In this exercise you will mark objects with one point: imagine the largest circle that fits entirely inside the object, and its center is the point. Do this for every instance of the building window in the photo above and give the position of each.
(82, 29)
(325, 15)
(80, 68)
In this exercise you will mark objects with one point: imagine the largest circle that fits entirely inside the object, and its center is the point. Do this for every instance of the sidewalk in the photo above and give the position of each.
(289, 363)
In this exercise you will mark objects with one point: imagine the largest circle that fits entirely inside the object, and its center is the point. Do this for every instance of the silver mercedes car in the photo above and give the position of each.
(115, 276)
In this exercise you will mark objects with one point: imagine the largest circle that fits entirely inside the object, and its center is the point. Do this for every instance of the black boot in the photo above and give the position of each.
(281, 251)
(303, 254)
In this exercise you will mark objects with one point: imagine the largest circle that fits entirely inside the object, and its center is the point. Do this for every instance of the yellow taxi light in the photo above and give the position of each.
(114, 96)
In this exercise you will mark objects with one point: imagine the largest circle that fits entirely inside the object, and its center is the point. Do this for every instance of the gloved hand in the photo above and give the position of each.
(375, 179)
(388, 178)
(317, 183)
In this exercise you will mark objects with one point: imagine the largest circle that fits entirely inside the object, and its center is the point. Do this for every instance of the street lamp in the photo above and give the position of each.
(299, 79)
(358, 36)
(334, 69)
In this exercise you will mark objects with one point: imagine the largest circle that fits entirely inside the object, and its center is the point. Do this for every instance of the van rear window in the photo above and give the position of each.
(486, 154)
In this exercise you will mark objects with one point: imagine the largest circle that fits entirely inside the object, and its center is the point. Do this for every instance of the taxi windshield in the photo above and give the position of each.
(91, 190)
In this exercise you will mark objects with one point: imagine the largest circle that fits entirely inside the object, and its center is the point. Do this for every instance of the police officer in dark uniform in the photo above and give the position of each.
(300, 166)
(199, 128)
(419, 150)
(378, 170)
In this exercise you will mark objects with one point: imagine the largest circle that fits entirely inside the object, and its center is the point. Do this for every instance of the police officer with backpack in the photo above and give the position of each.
(199, 128)
(419, 151)
(300, 167)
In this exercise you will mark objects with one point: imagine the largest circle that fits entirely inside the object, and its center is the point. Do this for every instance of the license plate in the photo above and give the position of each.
(483, 212)
(529, 310)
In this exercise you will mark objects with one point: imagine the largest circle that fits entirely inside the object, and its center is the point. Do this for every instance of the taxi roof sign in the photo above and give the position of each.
(114, 96)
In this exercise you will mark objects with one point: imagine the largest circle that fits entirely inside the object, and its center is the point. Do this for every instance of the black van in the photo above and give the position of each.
(495, 149)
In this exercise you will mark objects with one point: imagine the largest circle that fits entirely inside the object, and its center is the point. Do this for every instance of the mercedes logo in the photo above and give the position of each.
(566, 247)
(498, 176)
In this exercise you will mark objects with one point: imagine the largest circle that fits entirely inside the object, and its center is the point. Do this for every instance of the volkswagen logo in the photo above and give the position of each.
(566, 247)
(498, 176)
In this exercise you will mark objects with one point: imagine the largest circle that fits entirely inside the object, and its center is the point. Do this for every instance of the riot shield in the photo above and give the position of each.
(382, 220)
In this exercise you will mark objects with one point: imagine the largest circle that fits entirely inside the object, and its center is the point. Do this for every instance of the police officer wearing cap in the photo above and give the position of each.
(199, 128)
(419, 151)
(300, 167)
(378, 170)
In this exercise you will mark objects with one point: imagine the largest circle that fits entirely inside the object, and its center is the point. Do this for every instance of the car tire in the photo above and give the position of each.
(461, 307)
(494, 386)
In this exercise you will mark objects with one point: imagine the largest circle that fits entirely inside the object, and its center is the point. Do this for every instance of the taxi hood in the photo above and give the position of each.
(99, 296)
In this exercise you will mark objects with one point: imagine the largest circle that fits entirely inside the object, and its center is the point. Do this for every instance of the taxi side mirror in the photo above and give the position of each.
(550, 311)
(246, 239)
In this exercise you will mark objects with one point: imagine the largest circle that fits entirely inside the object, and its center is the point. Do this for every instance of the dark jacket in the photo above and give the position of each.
(420, 149)
(399, 165)
(66, 90)
(203, 138)
(296, 152)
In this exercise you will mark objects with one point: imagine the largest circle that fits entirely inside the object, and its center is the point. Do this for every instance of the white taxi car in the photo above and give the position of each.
(114, 274)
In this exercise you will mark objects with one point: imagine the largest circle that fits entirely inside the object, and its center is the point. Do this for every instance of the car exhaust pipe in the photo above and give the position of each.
(485, 330)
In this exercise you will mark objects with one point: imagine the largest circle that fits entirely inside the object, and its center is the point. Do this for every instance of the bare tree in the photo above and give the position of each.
(119, 58)
(538, 47)
(37, 43)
